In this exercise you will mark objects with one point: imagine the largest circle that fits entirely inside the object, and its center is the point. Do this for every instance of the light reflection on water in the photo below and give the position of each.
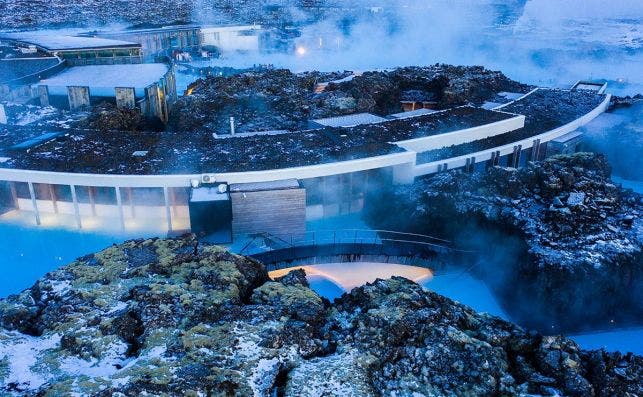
(333, 279)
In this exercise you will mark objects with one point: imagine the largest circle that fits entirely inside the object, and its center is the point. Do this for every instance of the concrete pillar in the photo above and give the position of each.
(513, 160)
(3, 115)
(34, 203)
(78, 97)
(492, 160)
(74, 198)
(535, 150)
(403, 174)
(125, 97)
(43, 94)
(119, 203)
(168, 211)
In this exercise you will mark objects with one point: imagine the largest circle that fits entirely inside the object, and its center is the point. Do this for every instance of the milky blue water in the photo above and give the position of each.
(28, 253)
(552, 43)
(325, 287)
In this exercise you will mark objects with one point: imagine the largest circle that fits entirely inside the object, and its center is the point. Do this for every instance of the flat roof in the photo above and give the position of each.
(102, 79)
(18, 68)
(206, 194)
(168, 28)
(181, 152)
(65, 43)
(350, 120)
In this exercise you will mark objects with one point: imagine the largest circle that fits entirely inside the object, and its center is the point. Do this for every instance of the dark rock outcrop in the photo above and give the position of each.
(557, 236)
(282, 100)
(170, 317)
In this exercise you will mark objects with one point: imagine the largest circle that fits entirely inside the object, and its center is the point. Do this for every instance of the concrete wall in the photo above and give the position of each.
(489, 154)
(231, 38)
(425, 144)
(155, 104)
(78, 97)
(43, 93)
(12, 93)
(278, 212)
(125, 97)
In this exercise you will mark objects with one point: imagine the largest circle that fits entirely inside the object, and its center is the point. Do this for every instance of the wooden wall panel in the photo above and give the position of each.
(278, 212)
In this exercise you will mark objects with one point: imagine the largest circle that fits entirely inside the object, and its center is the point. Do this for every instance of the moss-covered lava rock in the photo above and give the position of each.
(175, 317)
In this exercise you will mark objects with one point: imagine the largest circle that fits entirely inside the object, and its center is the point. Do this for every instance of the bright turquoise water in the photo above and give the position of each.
(27, 253)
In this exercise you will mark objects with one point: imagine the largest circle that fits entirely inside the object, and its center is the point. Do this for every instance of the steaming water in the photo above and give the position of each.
(552, 43)
(333, 279)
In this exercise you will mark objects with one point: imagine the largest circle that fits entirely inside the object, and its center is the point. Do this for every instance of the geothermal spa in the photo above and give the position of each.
(28, 253)
(333, 279)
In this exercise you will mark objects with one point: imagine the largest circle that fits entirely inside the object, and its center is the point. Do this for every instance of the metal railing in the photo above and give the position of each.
(346, 242)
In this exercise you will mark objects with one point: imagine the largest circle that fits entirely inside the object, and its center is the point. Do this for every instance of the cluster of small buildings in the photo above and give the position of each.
(131, 68)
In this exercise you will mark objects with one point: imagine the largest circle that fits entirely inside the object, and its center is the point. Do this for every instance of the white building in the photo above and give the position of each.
(232, 38)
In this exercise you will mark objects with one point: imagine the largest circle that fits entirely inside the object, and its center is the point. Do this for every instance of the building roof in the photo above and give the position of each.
(102, 79)
(351, 120)
(18, 68)
(207, 194)
(65, 43)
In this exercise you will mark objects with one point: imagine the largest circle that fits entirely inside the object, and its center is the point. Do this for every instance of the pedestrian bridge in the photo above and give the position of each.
(353, 245)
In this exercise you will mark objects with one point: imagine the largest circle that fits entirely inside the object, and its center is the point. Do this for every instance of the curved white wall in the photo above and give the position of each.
(403, 164)
(484, 155)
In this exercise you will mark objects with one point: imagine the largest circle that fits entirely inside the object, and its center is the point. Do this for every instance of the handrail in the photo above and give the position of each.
(270, 243)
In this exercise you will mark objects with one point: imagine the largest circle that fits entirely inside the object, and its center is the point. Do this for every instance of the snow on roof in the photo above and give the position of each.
(206, 194)
(351, 120)
(62, 42)
(413, 113)
(102, 79)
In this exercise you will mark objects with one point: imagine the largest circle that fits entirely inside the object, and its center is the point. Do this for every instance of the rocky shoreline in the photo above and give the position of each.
(172, 316)
(562, 243)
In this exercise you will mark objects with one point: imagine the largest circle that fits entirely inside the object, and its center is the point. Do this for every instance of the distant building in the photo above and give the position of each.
(149, 87)
(232, 38)
(80, 50)
(157, 41)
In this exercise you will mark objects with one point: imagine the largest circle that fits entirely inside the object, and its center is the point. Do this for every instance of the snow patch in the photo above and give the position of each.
(23, 354)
